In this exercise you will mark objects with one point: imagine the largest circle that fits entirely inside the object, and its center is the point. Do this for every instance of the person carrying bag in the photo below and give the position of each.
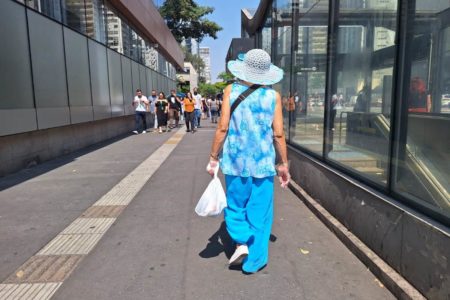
(252, 138)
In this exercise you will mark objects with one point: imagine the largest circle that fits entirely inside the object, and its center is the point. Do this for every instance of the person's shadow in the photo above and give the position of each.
(220, 242)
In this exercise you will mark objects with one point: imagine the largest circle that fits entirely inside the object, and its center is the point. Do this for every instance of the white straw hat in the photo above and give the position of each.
(255, 67)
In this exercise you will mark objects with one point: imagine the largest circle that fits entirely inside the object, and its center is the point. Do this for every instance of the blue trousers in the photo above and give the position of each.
(249, 217)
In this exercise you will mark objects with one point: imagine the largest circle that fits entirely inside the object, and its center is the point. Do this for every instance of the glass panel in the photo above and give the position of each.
(74, 14)
(282, 15)
(135, 46)
(423, 156)
(99, 74)
(50, 8)
(77, 63)
(126, 38)
(96, 20)
(305, 106)
(128, 93)
(115, 78)
(114, 22)
(360, 101)
(15, 71)
(49, 72)
(135, 76)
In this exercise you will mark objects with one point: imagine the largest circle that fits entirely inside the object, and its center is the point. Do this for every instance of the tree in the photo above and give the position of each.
(206, 89)
(185, 19)
(225, 76)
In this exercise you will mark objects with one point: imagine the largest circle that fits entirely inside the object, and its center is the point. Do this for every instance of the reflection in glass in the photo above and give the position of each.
(74, 14)
(423, 153)
(306, 104)
(115, 40)
(50, 8)
(361, 88)
(282, 17)
(96, 20)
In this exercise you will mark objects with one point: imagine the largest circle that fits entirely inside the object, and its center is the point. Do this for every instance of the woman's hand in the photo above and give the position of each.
(283, 175)
(212, 166)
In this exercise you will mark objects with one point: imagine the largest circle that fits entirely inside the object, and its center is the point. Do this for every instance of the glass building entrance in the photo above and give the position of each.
(367, 90)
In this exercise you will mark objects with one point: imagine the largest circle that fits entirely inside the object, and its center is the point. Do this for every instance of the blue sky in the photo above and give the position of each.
(227, 14)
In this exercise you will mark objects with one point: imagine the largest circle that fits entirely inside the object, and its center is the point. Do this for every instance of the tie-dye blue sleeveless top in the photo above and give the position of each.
(248, 149)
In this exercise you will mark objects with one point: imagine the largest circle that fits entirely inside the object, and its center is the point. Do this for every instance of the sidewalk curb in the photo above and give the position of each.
(393, 281)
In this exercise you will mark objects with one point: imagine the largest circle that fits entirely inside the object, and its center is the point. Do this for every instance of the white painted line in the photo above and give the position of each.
(80, 237)
(89, 225)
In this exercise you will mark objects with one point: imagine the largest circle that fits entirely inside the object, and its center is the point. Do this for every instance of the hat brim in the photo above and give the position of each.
(271, 76)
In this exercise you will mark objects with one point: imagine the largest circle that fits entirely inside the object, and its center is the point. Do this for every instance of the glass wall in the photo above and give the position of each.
(305, 105)
(66, 54)
(377, 94)
(361, 87)
(99, 20)
(281, 51)
(422, 162)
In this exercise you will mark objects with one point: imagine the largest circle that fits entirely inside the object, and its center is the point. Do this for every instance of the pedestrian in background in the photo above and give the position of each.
(162, 109)
(152, 100)
(213, 108)
(251, 137)
(205, 113)
(198, 108)
(189, 106)
(174, 109)
(140, 104)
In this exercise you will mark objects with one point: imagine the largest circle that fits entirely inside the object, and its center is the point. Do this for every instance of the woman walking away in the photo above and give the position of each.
(162, 108)
(214, 107)
(189, 106)
(251, 135)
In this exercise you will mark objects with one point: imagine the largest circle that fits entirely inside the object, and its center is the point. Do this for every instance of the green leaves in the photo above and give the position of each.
(186, 19)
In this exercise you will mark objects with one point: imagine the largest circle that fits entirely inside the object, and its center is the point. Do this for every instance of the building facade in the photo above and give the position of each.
(74, 66)
(205, 55)
(368, 136)
(191, 45)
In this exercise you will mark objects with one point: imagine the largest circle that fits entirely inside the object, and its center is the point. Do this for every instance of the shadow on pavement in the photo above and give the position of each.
(49, 165)
(219, 242)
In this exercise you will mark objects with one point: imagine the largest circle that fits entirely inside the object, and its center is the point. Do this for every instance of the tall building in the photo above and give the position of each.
(379, 150)
(206, 57)
(191, 45)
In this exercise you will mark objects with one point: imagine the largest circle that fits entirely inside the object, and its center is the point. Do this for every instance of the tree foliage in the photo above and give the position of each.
(207, 89)
(186, 19)
(225, 76)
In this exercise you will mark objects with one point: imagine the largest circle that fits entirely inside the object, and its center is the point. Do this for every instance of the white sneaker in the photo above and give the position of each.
(238, 255)
(144, 131)
(135, 132)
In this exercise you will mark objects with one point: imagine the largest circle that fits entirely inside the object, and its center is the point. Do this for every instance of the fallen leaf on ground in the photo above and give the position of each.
(379, 283)
(20, 274)
(303, 251)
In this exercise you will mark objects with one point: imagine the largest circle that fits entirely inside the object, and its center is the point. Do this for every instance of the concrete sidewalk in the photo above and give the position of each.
(158, 248)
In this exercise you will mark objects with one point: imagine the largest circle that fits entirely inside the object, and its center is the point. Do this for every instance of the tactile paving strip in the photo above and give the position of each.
(35, 291)
(43, 274)
(43, 269)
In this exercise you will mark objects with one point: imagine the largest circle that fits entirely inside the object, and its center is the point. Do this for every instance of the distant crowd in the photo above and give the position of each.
(167, 111)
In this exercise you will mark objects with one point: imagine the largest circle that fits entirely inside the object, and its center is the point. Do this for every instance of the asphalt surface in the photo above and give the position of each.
(159, 248)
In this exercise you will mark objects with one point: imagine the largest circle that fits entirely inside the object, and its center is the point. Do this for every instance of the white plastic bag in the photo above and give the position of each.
(213, 200)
